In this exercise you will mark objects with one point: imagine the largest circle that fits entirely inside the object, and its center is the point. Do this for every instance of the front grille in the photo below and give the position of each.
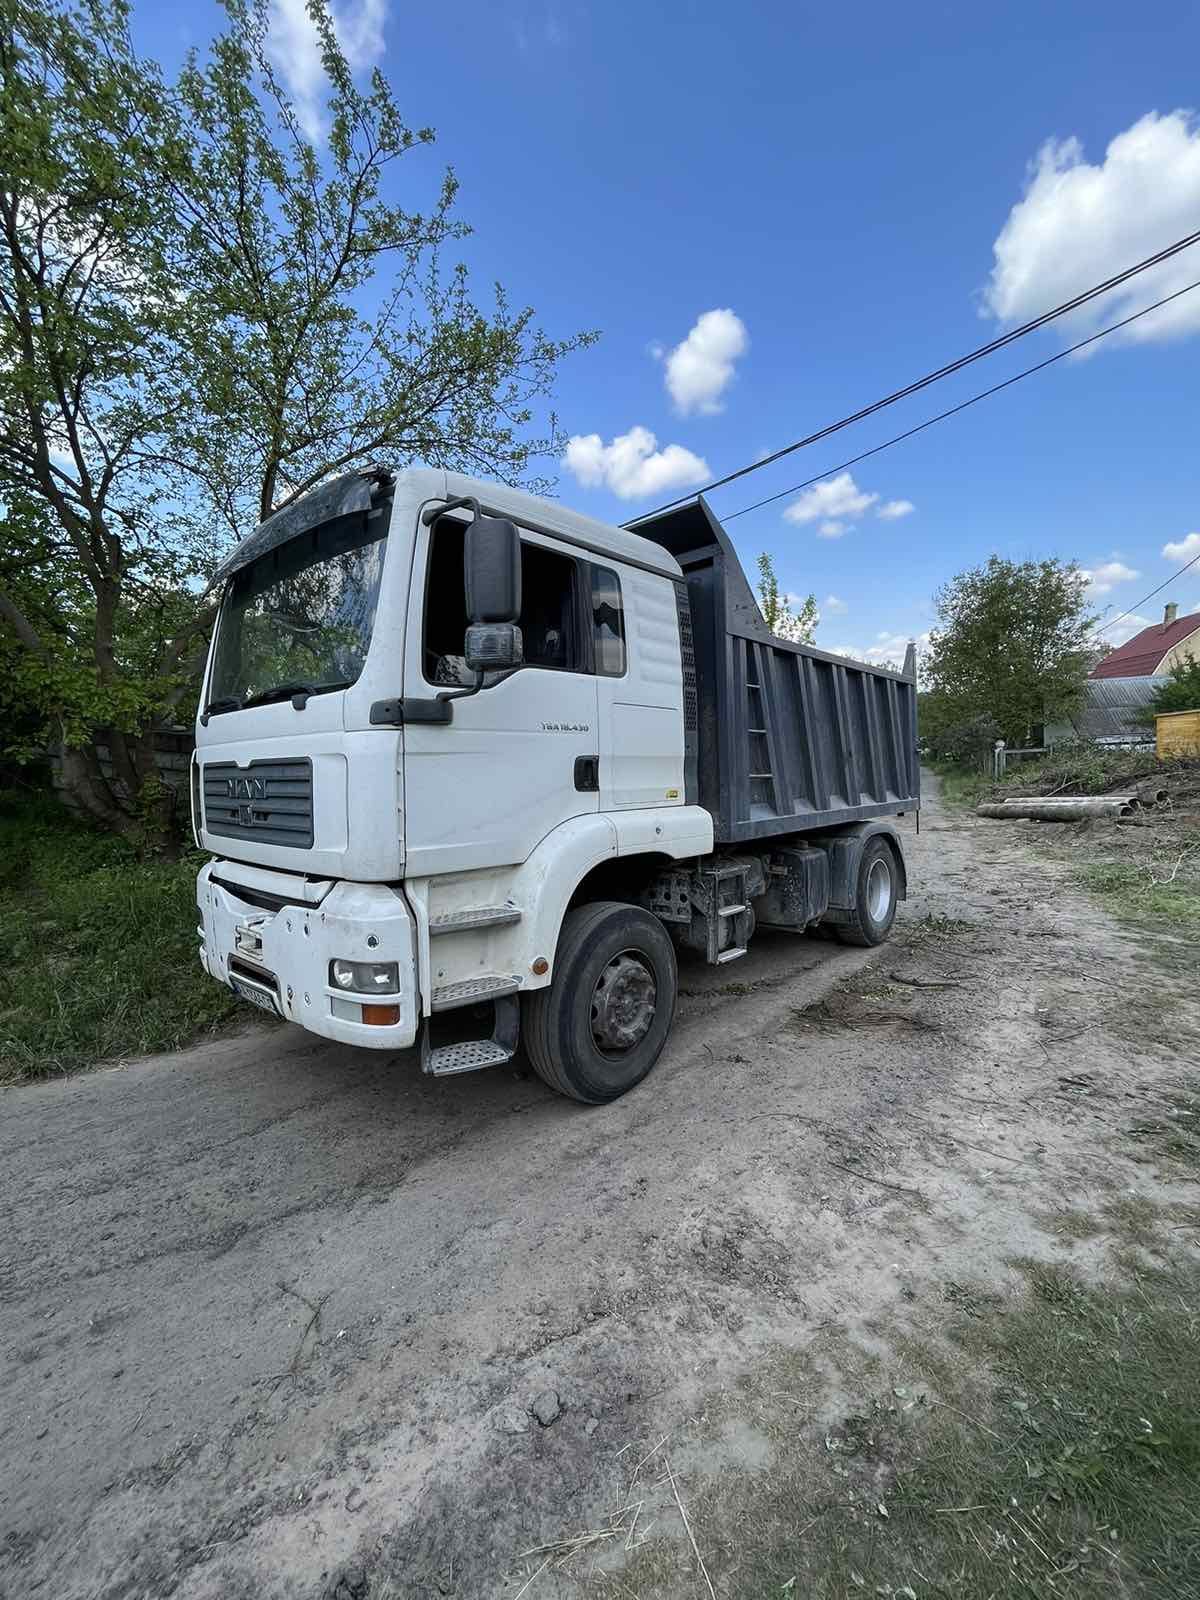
(268, 802)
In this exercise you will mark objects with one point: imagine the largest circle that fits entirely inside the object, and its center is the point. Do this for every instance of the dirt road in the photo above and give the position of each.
(274, 1313)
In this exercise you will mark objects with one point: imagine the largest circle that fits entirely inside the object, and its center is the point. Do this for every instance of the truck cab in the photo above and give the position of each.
(448, 770)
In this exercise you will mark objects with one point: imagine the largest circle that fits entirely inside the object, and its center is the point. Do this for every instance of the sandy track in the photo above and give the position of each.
(273, 1312)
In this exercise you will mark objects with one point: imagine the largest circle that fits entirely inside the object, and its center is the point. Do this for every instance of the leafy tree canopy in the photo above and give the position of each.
(1011, 644)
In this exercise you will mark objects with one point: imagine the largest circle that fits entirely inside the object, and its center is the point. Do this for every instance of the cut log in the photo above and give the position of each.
(1079, 810)
(1071, 799)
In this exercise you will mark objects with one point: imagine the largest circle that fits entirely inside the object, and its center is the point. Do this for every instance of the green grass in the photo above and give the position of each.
(1131, 892)
(97, 947)
(962, 787)
(1050, 1449)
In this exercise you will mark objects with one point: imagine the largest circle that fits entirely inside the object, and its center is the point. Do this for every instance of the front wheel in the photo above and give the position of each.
(602, 1023)
(876, 893)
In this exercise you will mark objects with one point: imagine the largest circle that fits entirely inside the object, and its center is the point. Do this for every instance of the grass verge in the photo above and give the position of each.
(1137, 894)
(1050, 1446)
(97, 947)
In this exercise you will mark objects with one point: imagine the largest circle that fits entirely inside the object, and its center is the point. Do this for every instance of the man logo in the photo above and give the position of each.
(246, 788)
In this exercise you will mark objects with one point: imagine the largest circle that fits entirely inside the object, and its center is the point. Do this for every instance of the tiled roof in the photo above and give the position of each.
(1139, 657)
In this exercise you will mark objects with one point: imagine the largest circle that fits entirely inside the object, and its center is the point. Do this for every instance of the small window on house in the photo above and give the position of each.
(608, 623)
(549, 609)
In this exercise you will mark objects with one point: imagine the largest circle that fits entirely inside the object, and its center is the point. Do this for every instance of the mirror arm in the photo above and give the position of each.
(431, 513)
(462, 694)
(465, 694)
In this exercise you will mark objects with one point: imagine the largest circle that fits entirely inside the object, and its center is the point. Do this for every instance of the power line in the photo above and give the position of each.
(963, 405)
(1187, 566)
(932, 377)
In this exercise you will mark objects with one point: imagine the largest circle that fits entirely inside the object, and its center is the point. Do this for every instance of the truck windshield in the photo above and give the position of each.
(300, 617)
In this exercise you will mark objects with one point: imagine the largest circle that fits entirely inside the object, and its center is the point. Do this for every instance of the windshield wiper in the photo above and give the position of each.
(296, 692)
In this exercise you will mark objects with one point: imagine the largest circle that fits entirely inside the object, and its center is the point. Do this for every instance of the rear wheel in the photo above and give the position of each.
(876, 893)
(601, 1025)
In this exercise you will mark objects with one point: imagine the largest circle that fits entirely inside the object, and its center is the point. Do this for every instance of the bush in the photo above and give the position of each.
(1182, 693)
(97, 947)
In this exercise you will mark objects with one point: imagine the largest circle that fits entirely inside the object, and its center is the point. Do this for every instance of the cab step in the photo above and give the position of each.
(474, 917)
(452, 995)
(469, 1056)
(443, 1055)
(730, 955)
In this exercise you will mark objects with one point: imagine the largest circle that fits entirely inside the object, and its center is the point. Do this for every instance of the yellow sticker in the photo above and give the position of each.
(672, 794)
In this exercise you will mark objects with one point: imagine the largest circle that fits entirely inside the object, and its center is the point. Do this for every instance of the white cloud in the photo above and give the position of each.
(894, 509)
(831, 530)
(1079, 223)
(833, 605)
(1121, 632)
(1183, 549)
(633, 465)
(699, 369)
(832, 502)
(295, 51)
(1104, 578)
(887, 651)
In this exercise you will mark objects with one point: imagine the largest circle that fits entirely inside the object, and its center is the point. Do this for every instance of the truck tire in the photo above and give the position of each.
(601, 1025)
(876, 893)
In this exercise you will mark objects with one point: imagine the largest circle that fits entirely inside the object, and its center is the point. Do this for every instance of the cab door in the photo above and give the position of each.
(519, 757)
(640, 688)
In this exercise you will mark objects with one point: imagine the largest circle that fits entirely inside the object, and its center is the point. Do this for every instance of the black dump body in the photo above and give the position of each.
(781, 738)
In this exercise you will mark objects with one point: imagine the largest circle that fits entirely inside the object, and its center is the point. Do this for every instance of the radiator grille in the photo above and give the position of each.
(268, 802)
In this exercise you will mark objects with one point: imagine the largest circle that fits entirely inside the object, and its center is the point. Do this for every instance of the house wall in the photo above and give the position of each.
(1178, 655)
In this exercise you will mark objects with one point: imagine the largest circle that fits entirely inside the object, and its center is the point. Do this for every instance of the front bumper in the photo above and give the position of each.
(295, 943)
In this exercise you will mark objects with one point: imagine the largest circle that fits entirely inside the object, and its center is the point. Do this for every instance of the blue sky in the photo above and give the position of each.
(833, 181)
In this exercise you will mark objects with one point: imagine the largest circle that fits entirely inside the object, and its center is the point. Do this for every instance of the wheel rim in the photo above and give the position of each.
(879, 889)
(624, 1001)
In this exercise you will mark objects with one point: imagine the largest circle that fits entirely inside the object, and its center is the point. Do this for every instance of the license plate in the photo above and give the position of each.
(264, 1002)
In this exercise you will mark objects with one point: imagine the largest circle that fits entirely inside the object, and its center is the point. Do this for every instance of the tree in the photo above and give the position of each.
(90, 319)
(1182, 693)
(799, 626)
(183, 349)
(296, 380)
(1011, 644)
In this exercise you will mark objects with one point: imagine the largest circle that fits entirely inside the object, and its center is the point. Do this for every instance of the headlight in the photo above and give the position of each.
(366, 977)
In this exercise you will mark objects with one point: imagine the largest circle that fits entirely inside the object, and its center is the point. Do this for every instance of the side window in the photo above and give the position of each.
(549, 618)
(549, 611)
(608, 623)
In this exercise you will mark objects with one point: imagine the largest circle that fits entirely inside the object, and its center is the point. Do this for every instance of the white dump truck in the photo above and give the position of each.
(472, 769)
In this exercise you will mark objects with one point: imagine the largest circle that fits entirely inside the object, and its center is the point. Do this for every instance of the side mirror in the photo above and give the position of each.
(493, 647)
(492, 559)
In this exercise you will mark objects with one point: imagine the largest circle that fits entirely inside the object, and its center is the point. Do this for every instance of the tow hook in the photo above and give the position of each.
(247, 938)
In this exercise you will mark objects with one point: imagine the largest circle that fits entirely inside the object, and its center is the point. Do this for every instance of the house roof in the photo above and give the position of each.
(1139, 657)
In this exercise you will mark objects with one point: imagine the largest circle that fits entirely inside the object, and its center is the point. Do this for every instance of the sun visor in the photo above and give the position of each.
(340, 497)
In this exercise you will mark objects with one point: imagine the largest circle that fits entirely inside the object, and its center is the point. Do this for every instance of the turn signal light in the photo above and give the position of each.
(384, 1016)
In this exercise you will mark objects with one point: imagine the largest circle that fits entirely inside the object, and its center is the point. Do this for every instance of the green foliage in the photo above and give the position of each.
(185, 347)
(97, 947)
(798, 626)
(1011, 644)
(1148, 895)
(295, 380)
(1183, 691)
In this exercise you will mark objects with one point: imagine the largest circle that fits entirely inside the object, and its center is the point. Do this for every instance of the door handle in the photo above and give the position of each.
(587, 774)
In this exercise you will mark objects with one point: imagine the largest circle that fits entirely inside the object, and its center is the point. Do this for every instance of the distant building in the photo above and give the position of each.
(1113, 712)
(1153, 652)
